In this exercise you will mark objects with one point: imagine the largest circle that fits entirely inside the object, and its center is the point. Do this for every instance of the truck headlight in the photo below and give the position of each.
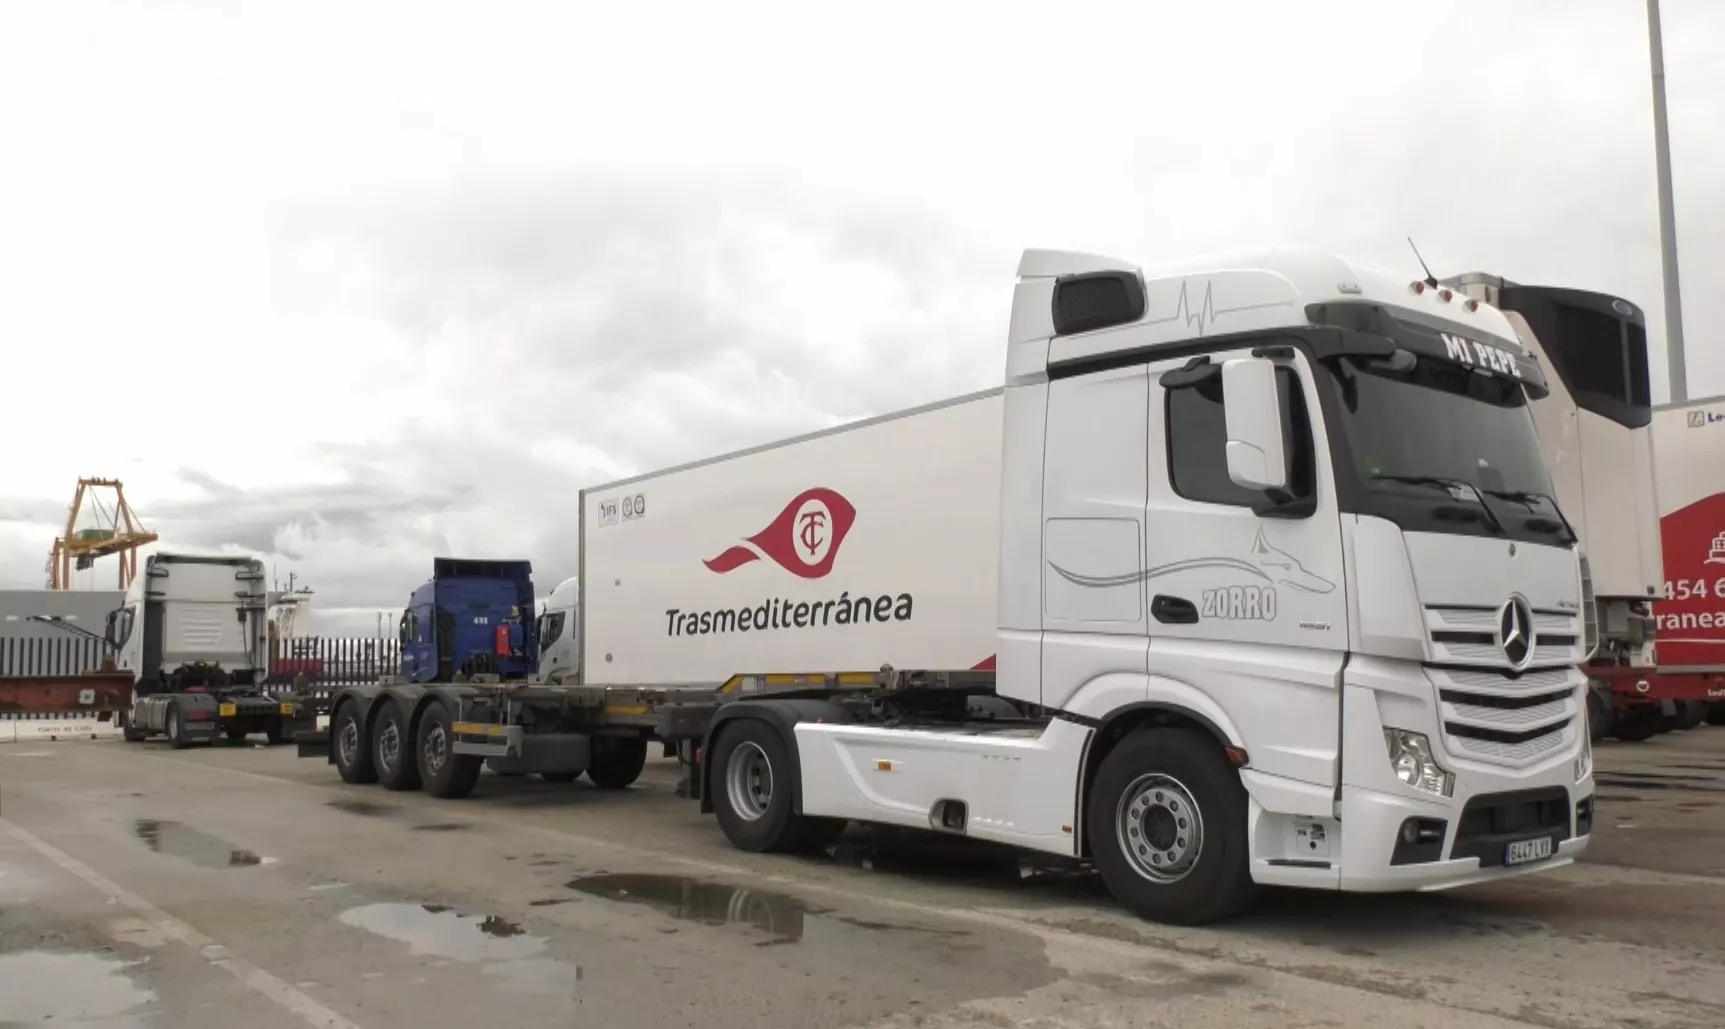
(1584, 760)
(1411, 757)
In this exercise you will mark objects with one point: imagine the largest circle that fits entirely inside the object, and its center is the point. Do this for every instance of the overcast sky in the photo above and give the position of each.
(351, 285)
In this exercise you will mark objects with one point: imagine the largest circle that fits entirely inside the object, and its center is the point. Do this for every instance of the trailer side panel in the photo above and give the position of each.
(843, 551)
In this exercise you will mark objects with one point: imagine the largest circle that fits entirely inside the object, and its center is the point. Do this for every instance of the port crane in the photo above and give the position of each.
(116, 531)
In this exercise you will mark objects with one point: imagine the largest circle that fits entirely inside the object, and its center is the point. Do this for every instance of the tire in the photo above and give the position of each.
(559, 777)
(1691, 713)
(1142, 789)
(236, 735)
(444, 773)
(1716, 713)
(277, 733)
(392, 749)
(617, 761)
(130, 732)
(752, 778)
(1636, 725)
(350, 745)
(176, 727)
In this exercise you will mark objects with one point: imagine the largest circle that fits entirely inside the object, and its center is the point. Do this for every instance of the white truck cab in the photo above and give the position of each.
(559, 643)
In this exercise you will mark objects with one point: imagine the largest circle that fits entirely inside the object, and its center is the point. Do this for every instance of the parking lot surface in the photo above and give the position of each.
(239, 885)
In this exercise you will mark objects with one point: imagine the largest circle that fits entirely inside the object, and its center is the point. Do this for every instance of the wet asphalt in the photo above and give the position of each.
(141, 886)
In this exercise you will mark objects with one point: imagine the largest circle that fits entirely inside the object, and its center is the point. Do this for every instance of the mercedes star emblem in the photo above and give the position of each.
(1515, 633)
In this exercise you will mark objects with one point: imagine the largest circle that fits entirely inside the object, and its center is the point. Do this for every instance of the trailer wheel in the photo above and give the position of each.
(1716, 714)
(445, 773)
(1691, 713)
(1166, 822)
(617, 761)
(177, 728)
(752, 792)
(392, 749)
(349, 746)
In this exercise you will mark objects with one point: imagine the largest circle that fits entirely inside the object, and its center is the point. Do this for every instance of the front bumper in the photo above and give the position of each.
(1459, 841)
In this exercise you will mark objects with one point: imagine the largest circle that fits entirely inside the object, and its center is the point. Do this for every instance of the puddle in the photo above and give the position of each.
(199, 848)
(784, 918)
(42, 987)
(356, 806)
(442, 827)
(500, 947)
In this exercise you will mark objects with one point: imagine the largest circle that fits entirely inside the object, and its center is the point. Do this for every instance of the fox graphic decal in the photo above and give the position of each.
(1264, 561)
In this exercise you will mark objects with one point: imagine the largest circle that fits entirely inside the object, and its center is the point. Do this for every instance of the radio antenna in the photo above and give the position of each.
(1431, 280)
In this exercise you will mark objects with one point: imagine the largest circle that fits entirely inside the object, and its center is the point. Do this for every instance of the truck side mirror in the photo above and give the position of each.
(1252, 408)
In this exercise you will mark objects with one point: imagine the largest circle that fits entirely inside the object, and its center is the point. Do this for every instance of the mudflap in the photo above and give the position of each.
(313, 743)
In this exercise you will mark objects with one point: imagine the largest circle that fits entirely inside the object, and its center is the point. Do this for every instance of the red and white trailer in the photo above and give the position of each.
(1689, 470)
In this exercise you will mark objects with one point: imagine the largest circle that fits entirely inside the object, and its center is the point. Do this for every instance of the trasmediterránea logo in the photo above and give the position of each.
(804, 540)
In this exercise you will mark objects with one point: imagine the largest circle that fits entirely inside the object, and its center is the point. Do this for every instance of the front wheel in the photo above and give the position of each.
(1166, 822)
(752, 792)
(129, 729)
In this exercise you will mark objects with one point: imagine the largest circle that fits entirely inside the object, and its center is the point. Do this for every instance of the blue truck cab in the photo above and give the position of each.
(473, 617)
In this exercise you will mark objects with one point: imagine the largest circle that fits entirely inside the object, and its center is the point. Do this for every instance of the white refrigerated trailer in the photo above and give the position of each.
(1220, 590)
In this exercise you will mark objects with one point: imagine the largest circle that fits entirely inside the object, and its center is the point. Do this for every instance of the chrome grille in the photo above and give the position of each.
(1504, 718)
(1466, 635)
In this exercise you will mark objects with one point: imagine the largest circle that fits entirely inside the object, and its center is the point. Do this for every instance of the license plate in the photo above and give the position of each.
(229, 710)
(1522, 851)
(287, 709)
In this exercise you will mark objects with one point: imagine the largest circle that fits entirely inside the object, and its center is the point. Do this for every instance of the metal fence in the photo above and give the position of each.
(328, 663)
(71, 655)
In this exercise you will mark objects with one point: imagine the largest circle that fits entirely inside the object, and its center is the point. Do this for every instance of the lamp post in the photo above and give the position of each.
(1674, 361)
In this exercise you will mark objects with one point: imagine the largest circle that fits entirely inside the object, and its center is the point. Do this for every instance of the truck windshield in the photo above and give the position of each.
(1442, 442)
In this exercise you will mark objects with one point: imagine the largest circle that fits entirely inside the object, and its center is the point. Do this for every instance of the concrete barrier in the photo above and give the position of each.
(54, 725)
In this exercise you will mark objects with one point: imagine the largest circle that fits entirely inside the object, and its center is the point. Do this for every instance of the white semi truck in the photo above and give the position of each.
(1242, 579)
(1239, 580)
(192, 633)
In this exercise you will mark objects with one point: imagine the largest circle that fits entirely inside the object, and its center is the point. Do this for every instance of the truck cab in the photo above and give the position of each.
(474, 617)
(192, 632)
(559, 642)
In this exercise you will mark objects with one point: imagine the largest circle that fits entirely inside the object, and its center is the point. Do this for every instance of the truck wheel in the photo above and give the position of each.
(617, 761)
(392, 750)
(753, 773)
(1599, 713)
(1691, 713)
(129, 730)
(1716, 714)
(349, 746)
(177, 727)
(1636, 724)
(236, 735)
(277, 733)
(445, 773)
(1166, 822)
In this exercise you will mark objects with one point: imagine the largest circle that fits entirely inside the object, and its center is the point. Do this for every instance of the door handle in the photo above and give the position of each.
(1173, 610)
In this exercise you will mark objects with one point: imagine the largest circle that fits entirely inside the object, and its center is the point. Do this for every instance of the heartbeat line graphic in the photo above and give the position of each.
(1207, 312)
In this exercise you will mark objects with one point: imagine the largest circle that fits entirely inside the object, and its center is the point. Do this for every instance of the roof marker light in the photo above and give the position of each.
(1471, 305)
(1445, 295)
(1416, 287)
